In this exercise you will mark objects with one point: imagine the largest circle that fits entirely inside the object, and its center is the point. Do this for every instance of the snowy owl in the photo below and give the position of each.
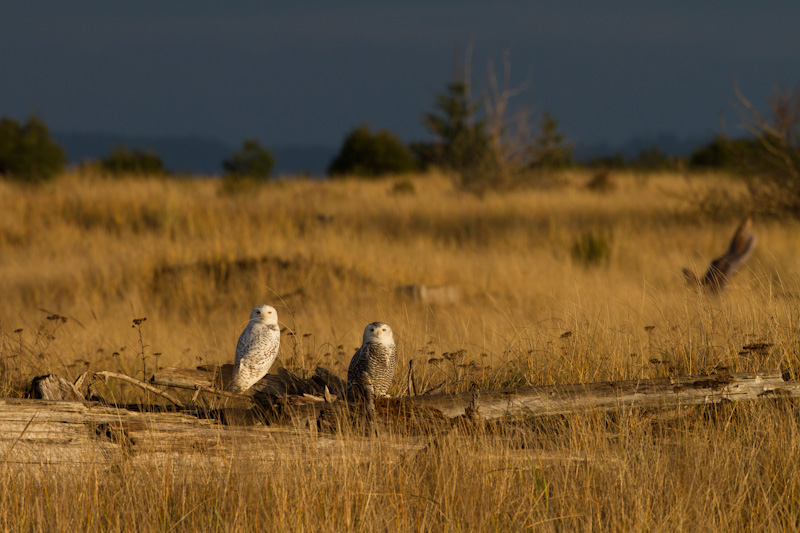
(257, 348)
(377, 357)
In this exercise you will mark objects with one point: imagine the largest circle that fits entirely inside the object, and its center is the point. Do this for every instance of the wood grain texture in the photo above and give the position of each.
(661, 393)
(43, 432)
(40, 433)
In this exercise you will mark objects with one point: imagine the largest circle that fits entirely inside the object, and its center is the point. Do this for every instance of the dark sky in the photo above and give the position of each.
(305, 72)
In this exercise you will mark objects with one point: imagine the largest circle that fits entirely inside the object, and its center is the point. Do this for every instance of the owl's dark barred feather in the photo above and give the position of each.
(379, 361)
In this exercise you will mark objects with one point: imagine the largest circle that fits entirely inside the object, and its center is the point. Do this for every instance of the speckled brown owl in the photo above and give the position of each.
(377, 357)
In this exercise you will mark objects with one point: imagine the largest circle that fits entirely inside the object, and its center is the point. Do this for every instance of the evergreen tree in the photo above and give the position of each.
(252, 161)
(461, 138)
(462, 142)
(27, 152)
(550, 148)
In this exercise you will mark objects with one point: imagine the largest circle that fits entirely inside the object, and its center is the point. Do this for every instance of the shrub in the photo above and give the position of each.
(124, 161)
(27, 152)
(404, 186)
(725, 153)
(370, 155)
(601, 181)
(715, 154)
(615, 162)
(239, 185)
(654, 159)
(253, 161)
(425, 154)
(770, 160)
(549, 148)
(592, 249)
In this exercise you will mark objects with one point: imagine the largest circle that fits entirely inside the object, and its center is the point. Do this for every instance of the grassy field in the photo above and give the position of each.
(530, 266)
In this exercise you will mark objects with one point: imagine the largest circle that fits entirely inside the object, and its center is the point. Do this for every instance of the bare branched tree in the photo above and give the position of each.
(509, 133)
(487, 141)
(772, 163)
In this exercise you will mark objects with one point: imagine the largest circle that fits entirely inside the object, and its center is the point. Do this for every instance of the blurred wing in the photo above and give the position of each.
(725, 266)
(741, 248)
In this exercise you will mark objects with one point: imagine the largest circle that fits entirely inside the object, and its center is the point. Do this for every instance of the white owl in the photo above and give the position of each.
(377, 357)
(257, 348)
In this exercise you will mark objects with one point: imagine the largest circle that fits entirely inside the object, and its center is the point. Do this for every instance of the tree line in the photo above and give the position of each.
(472, 140)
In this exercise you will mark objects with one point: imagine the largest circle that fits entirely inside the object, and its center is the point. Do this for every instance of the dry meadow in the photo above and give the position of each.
(560, 284)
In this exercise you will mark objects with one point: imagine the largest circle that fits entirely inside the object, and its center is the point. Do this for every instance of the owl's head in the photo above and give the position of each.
(264, 314)
(378, 332)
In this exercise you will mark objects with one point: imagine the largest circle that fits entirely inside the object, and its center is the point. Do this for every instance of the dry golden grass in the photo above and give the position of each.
(329, 256)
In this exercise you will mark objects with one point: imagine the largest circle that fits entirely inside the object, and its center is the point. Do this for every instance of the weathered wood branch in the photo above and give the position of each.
(122, 377)
(660, 393)
(186, 378)
(412, 387)
(216, 378)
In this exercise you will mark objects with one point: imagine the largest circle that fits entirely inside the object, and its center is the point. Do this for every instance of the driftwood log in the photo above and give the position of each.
(659, 393)
(53, 387)
(46, 432)
(427, 411)
(430, 294)
(303, 399)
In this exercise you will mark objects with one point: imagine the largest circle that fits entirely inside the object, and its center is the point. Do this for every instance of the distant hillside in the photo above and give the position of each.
(310, 160)
(193, 155)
